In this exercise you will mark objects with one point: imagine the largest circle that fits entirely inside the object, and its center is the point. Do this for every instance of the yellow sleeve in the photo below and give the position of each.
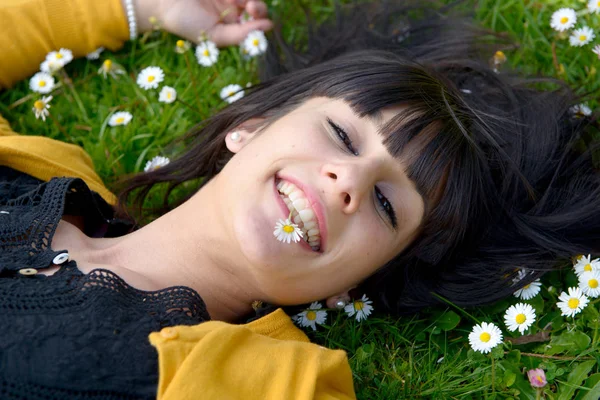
(30, 29)
(216, 360)
(45, 158)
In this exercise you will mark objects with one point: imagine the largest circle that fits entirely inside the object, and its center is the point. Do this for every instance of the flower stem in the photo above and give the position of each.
(187, 105)
(61, 128)
(69, 83)
(192, 78)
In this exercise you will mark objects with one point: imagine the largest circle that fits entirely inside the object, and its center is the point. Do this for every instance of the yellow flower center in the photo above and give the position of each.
(583, 38)
(230, 94)
(42, 83)
(593, 283)
(526, 286)
(180, 43)
(359, 305)
(169, 95)
(120, 120)
(485, 337)
(151, 78)
(520, 318)
(206, 53)
(39, 105)
(598, 4)
(564, 20)
(573, 303)
(579, 257)
(153, 20)
(311, 315)
(288, 228)
(107, 64)
(255, 42)
(539, 379)
(588, 267)
(59, 56)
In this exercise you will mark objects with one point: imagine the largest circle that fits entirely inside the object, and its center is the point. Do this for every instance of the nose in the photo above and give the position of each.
(349, 183)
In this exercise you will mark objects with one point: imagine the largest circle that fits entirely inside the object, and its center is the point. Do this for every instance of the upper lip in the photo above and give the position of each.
(315, 203)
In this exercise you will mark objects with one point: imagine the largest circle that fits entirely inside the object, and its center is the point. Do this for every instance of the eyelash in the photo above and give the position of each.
(384, 203)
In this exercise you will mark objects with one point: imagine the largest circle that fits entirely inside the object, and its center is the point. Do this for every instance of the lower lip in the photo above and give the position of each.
(286, 212)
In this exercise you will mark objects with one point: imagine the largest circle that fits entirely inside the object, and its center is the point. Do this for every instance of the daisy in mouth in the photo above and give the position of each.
(301, 212)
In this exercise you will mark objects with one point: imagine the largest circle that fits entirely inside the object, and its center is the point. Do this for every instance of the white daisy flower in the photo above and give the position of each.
(312, 316)
(207, 53)
(361, 307)
(50, 66)
(581, 36)
(255, 43)
(156, 163)
(120, 118)
(181, 46)
(589, 283)
(150, 77)
(596, 50)
(286, 231)
(563, 19)
(485, 337)
(573, 302)
(594, 6)
(528, 291)
(42, 83)
(63, 56)
(94, 55)
(586, 264)
(111, 68)
(581, 110)
(520, 316)
(231, 93)
(167, 95)
(41, 106)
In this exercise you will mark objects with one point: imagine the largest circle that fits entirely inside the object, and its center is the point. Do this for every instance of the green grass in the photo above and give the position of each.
(419, 356)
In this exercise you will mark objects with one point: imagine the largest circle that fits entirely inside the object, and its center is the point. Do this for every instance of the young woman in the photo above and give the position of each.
(416, 171)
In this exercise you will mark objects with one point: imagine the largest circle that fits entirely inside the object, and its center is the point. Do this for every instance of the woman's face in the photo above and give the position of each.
(352, 191)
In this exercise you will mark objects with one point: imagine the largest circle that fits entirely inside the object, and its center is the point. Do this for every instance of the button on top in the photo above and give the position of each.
(169, 333)
(28, 271)
(61, 258)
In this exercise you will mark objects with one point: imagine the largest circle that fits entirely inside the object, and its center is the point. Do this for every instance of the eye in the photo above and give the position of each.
(386, 207)
(343, 136)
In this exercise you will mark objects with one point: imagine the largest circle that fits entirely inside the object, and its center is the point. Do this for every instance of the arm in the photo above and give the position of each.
(29, 29)
(216, 360)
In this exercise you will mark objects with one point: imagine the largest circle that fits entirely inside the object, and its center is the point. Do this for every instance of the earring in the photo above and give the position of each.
(340, 304)
(235, 136)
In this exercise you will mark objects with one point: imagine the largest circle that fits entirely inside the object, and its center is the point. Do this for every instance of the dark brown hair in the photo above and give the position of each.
(498, 159)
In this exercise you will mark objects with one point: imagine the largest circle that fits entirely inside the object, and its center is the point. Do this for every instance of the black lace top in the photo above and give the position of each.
(71, 335)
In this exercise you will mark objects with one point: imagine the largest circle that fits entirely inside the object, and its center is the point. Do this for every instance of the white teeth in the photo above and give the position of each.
(296, 195)
(300, 204)
(310, 224)
(307, 215)
(302, 214)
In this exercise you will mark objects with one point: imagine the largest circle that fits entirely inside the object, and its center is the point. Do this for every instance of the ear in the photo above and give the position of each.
(344, 296)
(237, 138)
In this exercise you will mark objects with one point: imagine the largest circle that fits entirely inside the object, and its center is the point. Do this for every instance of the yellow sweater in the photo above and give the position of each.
(266, 359)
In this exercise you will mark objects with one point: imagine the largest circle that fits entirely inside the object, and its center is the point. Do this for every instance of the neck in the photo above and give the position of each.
(188, 246)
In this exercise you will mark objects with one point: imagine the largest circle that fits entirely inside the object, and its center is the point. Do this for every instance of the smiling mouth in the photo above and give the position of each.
(302, 213)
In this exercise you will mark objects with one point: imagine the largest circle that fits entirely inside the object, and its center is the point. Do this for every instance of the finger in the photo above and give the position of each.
(237, 3)
(257, 9)
(234, 34)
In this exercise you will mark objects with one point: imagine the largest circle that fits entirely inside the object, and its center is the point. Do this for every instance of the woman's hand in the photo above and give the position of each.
(217, 19)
